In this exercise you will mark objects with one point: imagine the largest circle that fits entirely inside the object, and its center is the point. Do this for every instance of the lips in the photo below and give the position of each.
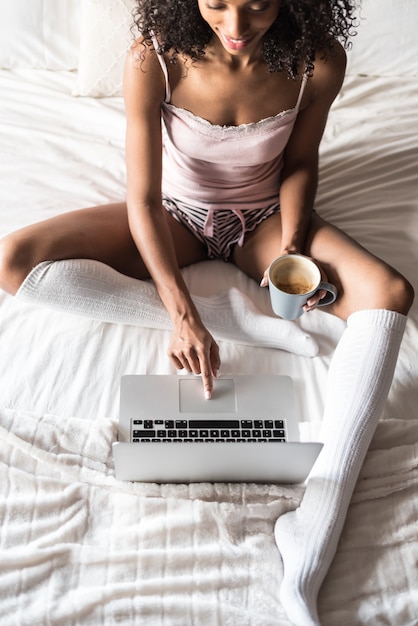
(236, 44)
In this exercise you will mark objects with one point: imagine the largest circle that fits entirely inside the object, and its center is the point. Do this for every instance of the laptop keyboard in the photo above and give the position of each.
(200, 430)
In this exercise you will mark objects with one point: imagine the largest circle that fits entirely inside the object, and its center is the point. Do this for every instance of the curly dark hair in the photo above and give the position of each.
(302, 28)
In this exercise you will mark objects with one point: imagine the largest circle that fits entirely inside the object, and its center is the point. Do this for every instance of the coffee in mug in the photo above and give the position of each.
(293, 279)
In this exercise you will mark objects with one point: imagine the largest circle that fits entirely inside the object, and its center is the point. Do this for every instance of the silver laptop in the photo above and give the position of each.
(247, 431)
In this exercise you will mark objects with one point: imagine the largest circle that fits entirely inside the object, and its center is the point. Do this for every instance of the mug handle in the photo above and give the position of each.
(331, 295)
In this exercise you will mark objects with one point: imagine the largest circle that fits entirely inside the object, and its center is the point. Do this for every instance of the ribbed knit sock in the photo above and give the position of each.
(95, 290)
(359, 380)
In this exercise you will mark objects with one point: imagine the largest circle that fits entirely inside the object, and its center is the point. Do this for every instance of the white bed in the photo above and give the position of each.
(79, 547)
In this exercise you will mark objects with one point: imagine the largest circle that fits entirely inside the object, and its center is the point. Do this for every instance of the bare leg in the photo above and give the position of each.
(86, 262)
(363, 280)
(374, 299)
(99, 233)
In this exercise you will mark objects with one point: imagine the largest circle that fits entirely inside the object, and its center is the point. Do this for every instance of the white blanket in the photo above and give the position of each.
(78, 547)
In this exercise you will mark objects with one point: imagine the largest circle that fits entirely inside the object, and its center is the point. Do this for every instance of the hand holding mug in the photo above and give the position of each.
(293, 279)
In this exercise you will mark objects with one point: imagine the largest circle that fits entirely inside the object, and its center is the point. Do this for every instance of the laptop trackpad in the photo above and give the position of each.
(192, 399)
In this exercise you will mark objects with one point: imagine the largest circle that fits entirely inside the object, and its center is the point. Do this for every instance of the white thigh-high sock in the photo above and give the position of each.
(359, 380)
(95, 290)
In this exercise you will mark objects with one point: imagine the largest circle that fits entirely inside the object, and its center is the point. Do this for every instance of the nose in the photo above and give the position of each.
(236, 23)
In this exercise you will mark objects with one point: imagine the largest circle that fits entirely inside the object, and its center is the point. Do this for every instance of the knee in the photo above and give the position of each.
(401, 294)
(380, 287)
(15, 262)
(390, 290)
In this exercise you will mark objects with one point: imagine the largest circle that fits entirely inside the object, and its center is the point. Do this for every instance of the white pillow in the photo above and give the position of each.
(41, 34)
(387, 41)
(105, 38)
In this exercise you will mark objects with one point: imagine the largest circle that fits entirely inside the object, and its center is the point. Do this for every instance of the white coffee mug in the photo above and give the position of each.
(293, 279)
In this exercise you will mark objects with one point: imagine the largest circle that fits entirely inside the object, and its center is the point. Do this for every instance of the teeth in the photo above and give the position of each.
(236, 40)
(240, 41)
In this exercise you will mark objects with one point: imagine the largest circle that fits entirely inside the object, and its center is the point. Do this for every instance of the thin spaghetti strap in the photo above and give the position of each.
(163, 64)
(302, 89)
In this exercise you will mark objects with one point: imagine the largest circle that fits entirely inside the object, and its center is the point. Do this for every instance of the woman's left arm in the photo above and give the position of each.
(300, 171)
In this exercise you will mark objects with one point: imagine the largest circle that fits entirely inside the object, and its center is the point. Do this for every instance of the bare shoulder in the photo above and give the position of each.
(143, 77)
(328, 74)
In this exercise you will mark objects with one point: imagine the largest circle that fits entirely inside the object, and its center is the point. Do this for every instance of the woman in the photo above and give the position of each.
(243, 88)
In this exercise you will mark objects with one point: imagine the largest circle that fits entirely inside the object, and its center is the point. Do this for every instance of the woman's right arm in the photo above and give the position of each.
(191, 347)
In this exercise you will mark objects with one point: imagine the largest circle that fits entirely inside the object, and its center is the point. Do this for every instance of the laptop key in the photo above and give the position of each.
(212, 423)
(144, 433)
(278, 433)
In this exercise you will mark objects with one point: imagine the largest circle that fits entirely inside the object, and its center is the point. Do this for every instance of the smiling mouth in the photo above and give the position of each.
(236, 44)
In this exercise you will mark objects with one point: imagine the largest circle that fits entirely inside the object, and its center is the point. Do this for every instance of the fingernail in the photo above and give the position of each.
(264, 282)
(208, 394)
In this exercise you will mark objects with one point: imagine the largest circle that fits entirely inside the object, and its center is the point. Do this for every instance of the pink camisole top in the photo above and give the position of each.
(223, 167)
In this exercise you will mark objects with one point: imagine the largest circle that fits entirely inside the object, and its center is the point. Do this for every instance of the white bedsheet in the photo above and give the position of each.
(79, 547)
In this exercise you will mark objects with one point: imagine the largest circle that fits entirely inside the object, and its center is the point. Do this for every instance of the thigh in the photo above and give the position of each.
(363, 280)
(101, 233)
(261, 247)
